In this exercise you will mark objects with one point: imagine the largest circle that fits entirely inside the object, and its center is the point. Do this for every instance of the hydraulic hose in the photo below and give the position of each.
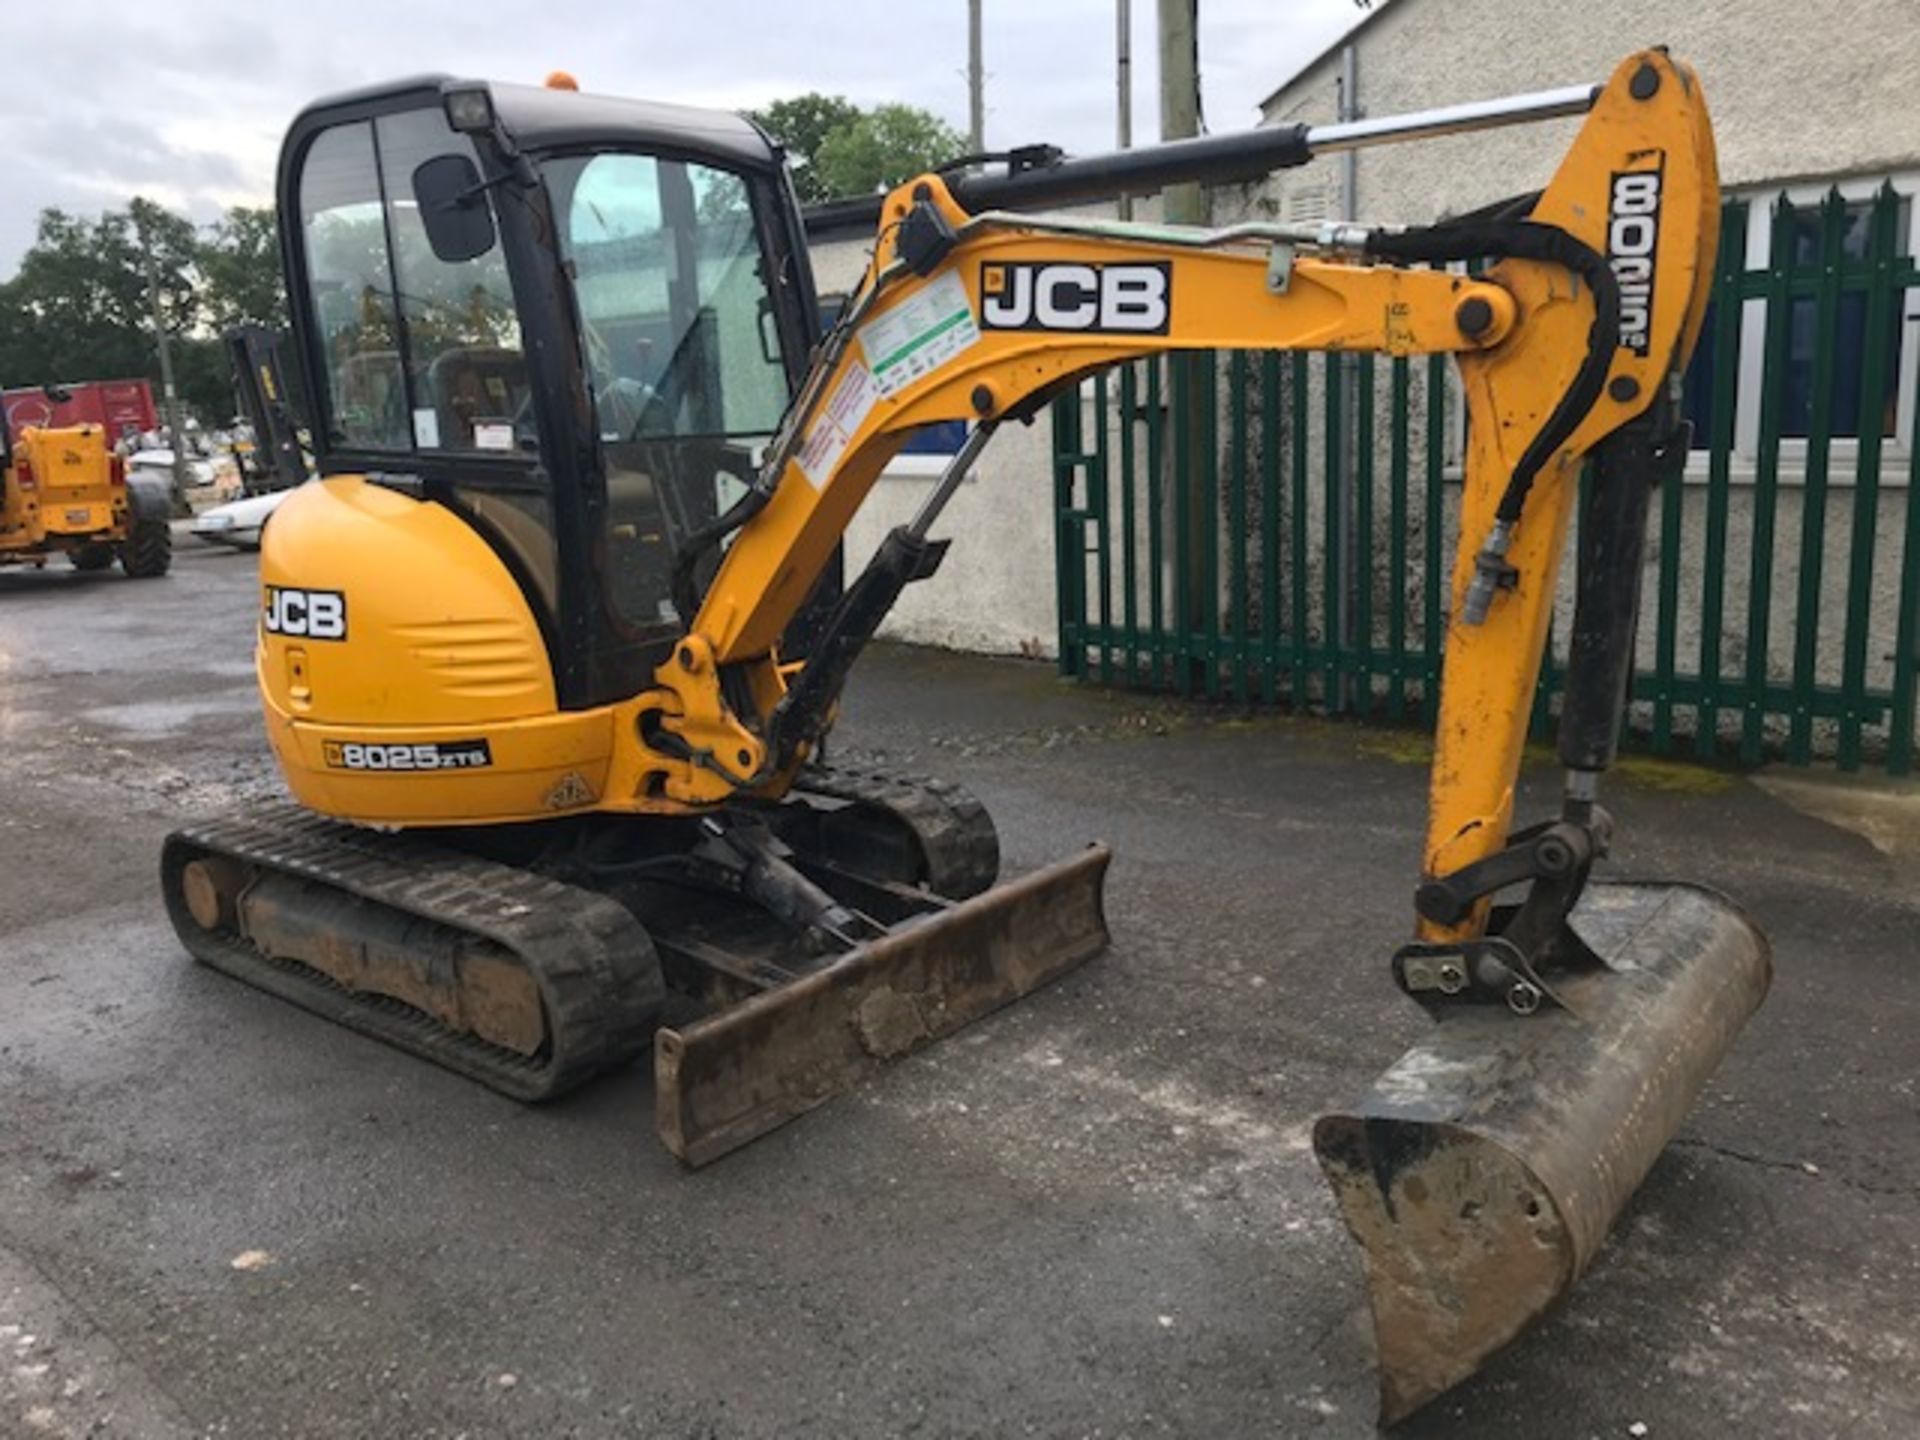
(1527, 240)
(1521, 240)
(683, 585)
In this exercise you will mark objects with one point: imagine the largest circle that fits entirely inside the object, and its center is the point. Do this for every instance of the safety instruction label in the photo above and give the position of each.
(834, 426)
(919, 334)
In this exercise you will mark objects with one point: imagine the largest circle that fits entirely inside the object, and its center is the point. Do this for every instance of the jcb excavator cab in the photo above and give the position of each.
(572, 320)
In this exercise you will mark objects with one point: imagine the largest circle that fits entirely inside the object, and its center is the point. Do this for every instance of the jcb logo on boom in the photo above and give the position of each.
(1633, 235)
(1129, 299)
(306, 614)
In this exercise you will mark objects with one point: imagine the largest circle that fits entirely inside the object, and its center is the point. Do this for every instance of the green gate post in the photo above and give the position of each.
(1875, 386)
(1238, 539)
(1297, 531)
(1069, 535)
(1360, 691)
(1726, 318)
(1766, 482)
(1129, 534)
(1813, 497)
(1270, 429)
(1439, 577)
(1333, 620)
(1401, 400)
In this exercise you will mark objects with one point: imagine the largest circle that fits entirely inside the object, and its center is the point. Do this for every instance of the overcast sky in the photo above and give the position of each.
(185, 100)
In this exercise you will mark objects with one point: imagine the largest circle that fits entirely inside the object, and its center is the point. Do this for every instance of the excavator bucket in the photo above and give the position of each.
(1482, 1171)
(726, 1079)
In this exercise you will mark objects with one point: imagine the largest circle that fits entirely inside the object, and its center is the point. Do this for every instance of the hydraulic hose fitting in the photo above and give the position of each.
(1491, 574)
(1343, 237)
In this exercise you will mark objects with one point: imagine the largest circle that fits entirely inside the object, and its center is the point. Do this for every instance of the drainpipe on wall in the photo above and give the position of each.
(1123, 84)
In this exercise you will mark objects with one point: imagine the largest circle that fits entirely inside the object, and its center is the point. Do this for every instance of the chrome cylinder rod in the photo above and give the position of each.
(950, 479)
(1452, 119)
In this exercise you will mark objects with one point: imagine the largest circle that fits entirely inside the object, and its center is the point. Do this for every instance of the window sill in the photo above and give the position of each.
(1842, 472)
(921, 467)
(1741, 474)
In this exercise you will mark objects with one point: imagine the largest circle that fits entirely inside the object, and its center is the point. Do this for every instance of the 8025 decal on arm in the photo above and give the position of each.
(1633, 236)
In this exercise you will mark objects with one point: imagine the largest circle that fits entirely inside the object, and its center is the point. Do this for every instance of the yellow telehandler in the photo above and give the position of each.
(547, 662)
(64, 491)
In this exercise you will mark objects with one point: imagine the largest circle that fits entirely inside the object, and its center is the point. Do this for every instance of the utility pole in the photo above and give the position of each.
(1180, 100)
(1123, 84)
(169, 395)
(976, 83)
(1193, 490)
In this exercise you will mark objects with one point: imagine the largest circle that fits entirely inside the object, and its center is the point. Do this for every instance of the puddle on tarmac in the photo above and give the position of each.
(164, 717)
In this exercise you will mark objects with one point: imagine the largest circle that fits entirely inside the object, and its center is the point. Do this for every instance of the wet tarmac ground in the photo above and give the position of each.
(1092, 1215)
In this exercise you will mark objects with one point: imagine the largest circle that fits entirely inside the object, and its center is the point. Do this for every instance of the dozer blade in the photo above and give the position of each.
(1482, 1171)
(733, 1076)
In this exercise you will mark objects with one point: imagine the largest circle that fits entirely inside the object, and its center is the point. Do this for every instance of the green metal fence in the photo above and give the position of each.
(1279, 529)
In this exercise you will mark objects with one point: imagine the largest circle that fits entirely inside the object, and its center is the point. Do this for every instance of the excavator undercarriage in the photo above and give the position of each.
(532, 961)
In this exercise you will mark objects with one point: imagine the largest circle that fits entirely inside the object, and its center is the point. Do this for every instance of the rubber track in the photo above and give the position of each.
(954, 831)
(595, 966)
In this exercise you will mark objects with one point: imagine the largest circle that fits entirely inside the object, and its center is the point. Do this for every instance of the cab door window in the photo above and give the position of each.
(350, 286)
(418, 354)
(467, 366)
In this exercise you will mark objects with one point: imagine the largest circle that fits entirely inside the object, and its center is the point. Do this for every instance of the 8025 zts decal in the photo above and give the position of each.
(1135, 298)
(438, 755)
(1633, 235)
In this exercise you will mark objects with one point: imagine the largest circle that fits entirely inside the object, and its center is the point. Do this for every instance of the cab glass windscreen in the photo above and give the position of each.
(681, 353)
(671, 288)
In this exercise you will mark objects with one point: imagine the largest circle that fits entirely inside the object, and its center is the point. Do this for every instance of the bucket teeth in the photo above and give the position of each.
(1480, 1175)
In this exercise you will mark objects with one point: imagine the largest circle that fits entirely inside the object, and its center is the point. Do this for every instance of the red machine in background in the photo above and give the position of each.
(117, 406)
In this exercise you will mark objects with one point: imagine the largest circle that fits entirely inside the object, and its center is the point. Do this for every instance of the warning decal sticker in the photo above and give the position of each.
(913, 338)
(834, 426)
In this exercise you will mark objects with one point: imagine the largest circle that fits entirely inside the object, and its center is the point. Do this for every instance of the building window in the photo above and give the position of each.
(1844, 363)
(931, 446)
(944, 437)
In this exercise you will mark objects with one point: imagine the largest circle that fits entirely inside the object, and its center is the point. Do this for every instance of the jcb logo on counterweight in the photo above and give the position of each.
(308, 614)
(1130, 299)
(1633, 235)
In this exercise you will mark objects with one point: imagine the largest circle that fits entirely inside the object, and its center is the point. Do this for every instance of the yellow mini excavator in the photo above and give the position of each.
(549, 652)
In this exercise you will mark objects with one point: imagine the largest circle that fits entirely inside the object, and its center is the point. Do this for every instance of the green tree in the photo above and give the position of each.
(240, 261)
(883, 147)
(802, 124)
(79, 307)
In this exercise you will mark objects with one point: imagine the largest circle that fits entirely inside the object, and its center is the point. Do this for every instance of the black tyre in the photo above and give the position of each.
(91, 557)
(148, 551)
